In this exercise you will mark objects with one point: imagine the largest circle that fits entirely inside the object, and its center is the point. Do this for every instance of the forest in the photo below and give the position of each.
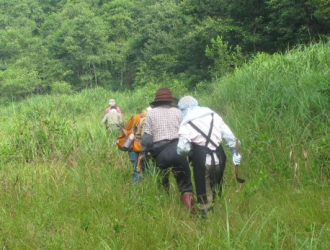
(65, 46)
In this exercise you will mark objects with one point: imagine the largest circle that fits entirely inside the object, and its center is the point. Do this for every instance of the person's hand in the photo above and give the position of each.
(142, 155)
(184, 147)
(237, 159)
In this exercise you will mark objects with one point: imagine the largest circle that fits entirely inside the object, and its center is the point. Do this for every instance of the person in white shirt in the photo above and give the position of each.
(200, 135)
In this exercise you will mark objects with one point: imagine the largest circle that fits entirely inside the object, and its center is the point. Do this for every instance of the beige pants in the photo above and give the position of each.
(209, 190)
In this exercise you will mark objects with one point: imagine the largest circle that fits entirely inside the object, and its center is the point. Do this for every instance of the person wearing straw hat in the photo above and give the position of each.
(160, 139)
(200, 135)
(112, 103)
(112, 121)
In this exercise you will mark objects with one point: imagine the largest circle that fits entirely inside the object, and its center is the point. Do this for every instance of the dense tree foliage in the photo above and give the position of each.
(120, 44)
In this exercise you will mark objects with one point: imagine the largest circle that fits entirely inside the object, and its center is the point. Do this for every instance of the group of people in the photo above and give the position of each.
(176, 133)
(113, 121)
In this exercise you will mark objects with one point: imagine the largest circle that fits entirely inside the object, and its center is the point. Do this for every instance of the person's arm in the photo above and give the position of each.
(228, 136)
(120, 121)
(230, 140)
(183, 147)
(146, 142)
(148, 126)
(104, 120)
(184, 144)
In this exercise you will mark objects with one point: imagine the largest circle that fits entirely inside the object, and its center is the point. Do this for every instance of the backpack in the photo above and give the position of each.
(140, 127)
(133, 125)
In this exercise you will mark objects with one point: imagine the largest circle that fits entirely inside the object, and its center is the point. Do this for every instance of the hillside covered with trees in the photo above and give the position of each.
(56, 46)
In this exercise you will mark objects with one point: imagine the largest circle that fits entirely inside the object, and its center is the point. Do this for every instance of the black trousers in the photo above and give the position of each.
(216, 171)
(168, 159)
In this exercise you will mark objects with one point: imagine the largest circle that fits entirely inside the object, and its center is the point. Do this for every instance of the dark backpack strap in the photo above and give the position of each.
(208, 140)
(207, 137)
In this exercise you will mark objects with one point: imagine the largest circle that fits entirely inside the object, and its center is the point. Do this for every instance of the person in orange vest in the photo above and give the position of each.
(136, 126)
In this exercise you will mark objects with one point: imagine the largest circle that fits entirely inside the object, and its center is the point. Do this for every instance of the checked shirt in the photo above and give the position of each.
(163, 123)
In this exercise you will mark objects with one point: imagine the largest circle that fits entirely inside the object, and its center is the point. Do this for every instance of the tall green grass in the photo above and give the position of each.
(279, 106)
(65, 185)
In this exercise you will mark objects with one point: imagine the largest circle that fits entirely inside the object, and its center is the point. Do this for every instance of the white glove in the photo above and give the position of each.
(184, 147)
(237, 159)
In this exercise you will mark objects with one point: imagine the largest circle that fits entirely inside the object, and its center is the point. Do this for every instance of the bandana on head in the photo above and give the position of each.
(187, 102)
(190, 109)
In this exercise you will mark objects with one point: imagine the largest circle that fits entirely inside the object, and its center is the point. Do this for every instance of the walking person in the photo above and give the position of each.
(200, 135)
(135, 126)
(112, 121)
(112, 103)
(160, 138)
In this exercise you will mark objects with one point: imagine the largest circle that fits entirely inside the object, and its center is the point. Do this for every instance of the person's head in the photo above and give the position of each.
(186, 103)
(163, 96)
(112, 102)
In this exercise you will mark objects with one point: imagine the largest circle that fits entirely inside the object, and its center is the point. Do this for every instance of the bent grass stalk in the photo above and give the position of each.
(227, 226)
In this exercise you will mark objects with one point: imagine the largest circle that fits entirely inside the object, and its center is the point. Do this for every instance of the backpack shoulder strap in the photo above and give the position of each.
(140, 127)
(207, 137)
(132, 122)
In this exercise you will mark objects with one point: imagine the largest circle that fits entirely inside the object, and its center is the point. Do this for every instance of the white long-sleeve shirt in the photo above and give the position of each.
(220, 132)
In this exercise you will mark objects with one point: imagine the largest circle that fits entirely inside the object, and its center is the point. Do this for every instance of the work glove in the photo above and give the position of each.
(184, 147)
(236, 157)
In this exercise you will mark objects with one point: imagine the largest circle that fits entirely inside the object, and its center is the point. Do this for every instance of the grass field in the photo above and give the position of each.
(65, 185)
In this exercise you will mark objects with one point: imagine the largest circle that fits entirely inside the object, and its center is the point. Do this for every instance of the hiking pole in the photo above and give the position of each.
(236, 166)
